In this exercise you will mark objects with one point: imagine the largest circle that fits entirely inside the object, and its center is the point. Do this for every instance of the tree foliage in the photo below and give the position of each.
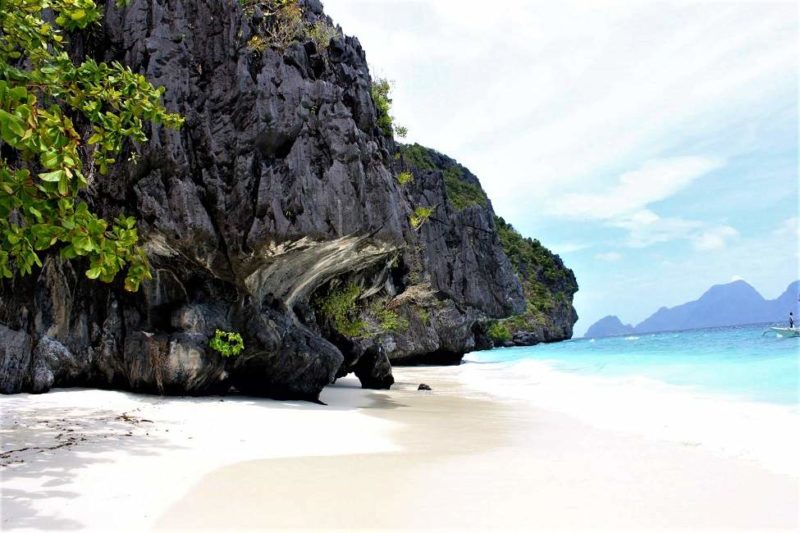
(45, 162)
(381, 89)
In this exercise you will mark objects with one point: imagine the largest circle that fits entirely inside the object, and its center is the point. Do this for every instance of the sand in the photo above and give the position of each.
(456, 458)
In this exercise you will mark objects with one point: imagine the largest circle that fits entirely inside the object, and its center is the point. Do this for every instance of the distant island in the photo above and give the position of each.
(729, 304)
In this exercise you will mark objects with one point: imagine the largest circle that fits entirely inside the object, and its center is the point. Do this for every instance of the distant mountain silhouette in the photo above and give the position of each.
(730, 304)
(609, 326)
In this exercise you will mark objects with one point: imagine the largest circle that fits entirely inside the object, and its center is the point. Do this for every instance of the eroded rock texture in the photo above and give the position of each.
(277, 201)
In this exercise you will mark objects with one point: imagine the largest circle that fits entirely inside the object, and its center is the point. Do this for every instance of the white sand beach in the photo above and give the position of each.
(455, 458)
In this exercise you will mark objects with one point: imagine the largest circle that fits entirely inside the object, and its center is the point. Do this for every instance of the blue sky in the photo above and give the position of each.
(653, 145)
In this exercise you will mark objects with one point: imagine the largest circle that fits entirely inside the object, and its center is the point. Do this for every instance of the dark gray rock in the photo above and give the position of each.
(279, 187)
(52, 360)
(423, 386)
(374, 370)
(15, 359)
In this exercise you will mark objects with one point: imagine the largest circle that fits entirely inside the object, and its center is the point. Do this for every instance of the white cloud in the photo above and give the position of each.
(537, 97)
(608, 256)
(625, 204)
(714, 238)
(788, 228)
(568, 247)
(654, 181)
(736, 277)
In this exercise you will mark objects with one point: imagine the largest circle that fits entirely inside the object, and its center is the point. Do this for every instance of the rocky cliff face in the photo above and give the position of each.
(276, 212)
(549, 287)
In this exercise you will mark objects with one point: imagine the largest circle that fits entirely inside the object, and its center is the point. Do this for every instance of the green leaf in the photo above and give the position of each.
(53, 176)
(49, 159)
(63, 185)
(11, 127)
(41, 90)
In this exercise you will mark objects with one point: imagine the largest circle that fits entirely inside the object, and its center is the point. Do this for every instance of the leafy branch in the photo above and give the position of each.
(42, 93)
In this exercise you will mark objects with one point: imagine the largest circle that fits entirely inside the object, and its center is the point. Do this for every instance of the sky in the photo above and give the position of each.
(652, 145)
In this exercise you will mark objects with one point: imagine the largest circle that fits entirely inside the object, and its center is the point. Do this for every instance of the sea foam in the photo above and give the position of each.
(725, 423)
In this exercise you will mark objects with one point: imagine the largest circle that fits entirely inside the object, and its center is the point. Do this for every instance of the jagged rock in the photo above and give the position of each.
(423, 386)
(374, 369)
(279, 187)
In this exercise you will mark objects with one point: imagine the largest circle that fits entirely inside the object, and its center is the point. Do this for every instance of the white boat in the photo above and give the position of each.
(786, 332)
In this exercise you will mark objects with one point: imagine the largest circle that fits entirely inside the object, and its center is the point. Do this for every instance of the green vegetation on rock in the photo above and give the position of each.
(227, 343)
(528, 254)
(380, 90)
(544, 281)
(499, 332)
(282, 23)
(420, 216)
(321, 32)
(461, 193)
(417, 156)
(48, 161)
(388, 321)
(405, 177)
(339, 306)
(424, 316)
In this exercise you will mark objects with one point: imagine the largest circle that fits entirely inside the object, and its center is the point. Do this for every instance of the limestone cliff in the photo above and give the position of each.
(549, 288)
(278, 211)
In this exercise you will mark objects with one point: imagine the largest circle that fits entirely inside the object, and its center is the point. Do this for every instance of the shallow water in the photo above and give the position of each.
(739, 361)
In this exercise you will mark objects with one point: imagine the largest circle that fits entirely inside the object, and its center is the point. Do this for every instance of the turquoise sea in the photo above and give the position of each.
(740, 361)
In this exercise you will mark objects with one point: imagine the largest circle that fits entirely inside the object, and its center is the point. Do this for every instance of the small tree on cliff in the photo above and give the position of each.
(380, 91)
(44, 160)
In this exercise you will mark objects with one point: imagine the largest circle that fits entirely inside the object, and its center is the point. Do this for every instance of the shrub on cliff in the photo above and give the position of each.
(383, 104)
(282, 22)
(227, 343)
(46, 162)
(339, 307)
(420, 216)
(499, 332)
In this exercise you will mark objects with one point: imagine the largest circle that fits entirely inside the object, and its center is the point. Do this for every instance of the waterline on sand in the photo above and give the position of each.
(724, 424)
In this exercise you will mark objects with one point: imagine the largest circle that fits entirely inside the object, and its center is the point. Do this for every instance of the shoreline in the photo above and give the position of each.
(724, 424)
(458, 457)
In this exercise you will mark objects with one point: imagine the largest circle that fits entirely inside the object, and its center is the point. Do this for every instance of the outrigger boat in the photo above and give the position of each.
(786, 332)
